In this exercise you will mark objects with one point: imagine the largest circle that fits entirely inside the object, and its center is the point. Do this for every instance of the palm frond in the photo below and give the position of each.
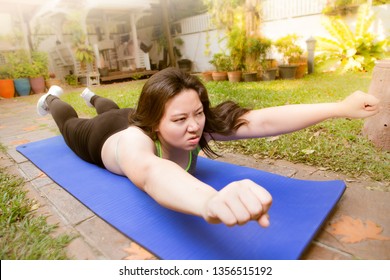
(327, 44)
(365, 18)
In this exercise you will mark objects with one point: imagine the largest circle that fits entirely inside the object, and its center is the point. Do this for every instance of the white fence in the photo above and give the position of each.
(282, 9)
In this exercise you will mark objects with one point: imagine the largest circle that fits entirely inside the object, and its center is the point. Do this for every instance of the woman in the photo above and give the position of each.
(156, 145)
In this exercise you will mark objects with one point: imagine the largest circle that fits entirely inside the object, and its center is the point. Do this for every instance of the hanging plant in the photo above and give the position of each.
(83, 50)
(84, 53)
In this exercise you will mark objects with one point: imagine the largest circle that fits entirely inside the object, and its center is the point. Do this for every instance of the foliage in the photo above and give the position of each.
(24, 236)
(224, 12)
(256, 52)
(19, 64)
(289, 47)
(84, 53)
(83, 50)
(347, 50)
(4, 73)
(40, 62)
(335, 7)
(221, 62)
(240, 21)
(71, 80)
(237, 44)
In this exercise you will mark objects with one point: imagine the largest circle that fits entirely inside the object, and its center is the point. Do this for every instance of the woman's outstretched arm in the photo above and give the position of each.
(172, 187)
(289, 118)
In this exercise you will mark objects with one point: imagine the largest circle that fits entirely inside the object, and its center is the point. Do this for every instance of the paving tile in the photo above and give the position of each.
(361, 205)
(30, 171)
(318, 251)
(79, 249)
(69, 207)
(110, 242)
(15, 155)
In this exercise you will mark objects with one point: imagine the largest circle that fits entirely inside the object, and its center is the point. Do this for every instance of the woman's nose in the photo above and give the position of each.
(193, 125)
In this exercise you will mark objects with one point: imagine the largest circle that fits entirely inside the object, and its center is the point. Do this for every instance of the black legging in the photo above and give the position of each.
(87, 136)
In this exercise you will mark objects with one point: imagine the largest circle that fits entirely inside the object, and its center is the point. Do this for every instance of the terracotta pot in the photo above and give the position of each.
(234, 76)
(7, 88)
(220, 76)
(207, 76)
(38, 85)
(301, 70)
(52, 82)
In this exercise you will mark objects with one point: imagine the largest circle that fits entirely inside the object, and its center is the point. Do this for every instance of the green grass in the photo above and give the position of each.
(336, 145)
(23, 235)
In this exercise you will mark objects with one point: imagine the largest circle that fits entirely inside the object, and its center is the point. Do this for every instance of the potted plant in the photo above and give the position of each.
(207, 76)
(289, 48)
(7, 88)
(39, 71)
(256, 50)
(236, 44)
(71, 79)
(185, 64)
(20, 68)
(222, 64)
(83, 51)
(51, 80)
(269, 69)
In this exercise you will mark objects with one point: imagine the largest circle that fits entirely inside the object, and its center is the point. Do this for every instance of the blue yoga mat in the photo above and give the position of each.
(299, 208)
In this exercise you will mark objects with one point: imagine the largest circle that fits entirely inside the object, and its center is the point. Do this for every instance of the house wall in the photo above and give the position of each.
(196, 32)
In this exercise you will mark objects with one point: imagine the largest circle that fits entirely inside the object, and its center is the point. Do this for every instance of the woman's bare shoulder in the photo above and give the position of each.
(136, 136)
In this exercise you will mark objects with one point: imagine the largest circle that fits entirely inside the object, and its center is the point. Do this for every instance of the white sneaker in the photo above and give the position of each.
(42, 108)
(87, 95)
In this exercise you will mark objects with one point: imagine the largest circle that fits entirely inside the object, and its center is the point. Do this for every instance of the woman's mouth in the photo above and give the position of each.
(194, 140)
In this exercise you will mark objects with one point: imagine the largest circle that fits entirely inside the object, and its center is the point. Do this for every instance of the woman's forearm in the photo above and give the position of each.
(175, 189)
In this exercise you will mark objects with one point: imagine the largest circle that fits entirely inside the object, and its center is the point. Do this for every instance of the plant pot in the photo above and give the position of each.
(269, 74)
(301, 70)
(185, 65)
(287, 72)
(207, 76)
(234, 76)
(250, 77)
(52, 82)
(7, 88)
(22, 86)
(220, 76)
(103, 71)
(38, 85)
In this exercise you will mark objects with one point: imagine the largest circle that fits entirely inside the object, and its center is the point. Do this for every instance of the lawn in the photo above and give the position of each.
(23, 235)
(336, 145)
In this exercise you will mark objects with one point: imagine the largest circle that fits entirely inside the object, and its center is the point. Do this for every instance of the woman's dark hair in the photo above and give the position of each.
(162, 86)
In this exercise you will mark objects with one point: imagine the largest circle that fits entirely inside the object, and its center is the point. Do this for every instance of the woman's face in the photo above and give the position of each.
(182, 123)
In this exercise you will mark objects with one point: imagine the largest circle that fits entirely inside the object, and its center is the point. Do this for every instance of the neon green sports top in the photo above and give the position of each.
(191, 167)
